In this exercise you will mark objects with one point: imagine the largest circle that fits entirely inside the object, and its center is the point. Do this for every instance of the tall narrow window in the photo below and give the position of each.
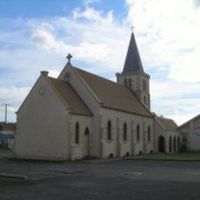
(144, 85)
(174, 144)
(77, 133)
(138, 133)
(170, 144)
(178, 144)
(125, 82)
(109, 130)
(149, 134)
(125, 131)
(129, 83)
(145, 100)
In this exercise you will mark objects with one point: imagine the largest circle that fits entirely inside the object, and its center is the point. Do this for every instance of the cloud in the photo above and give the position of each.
(173, 39)
(196, 2)
(170, 48)
(89, 2)
(167, 33)
(88, 35)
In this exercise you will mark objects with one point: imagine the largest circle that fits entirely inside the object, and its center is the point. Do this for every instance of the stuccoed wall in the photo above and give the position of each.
(42, 131)
(77, 150)
(88, 97)
(117, 146)
(191, 131)
(159, 131)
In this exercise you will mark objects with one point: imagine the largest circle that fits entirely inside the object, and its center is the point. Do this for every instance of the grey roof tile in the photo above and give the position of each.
(133, 62)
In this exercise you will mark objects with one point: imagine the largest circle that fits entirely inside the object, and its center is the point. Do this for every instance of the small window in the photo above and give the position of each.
(77, 133)
(138, 133)
(125, 131)
(149, 133)
(1, 128)
(109, 130)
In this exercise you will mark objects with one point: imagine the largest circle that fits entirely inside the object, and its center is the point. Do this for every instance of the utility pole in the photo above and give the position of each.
(6, 111)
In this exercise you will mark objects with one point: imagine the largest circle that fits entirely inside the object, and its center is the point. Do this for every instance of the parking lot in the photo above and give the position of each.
(96, 179)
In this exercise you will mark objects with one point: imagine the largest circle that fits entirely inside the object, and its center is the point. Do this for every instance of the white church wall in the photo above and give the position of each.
(42, 131)
(148, 123)
(92, 104)
(78, 150)
(117, 146)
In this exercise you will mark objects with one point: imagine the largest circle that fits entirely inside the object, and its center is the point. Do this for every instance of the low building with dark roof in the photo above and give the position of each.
(7, 133)
(80, 114)
(167, 138)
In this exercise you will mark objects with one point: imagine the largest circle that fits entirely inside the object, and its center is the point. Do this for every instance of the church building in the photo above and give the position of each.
(80, 114)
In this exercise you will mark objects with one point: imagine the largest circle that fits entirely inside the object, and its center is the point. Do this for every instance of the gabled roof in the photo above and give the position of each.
(133, 62)
(167, 124)
(194, 118)
(113, 95)
(70, 97)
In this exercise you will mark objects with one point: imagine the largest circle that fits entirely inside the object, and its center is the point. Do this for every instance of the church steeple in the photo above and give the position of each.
(133, 75)
(133, 62)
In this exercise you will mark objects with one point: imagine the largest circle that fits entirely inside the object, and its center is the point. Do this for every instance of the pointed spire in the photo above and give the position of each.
(133, 62)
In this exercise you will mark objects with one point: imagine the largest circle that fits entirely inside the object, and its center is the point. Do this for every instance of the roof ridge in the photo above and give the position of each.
(66, 102)
(105, 98)
(193, 118)
(105, 79)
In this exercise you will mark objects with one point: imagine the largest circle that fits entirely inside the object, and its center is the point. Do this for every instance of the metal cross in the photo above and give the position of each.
(132, 28)
(69, 56)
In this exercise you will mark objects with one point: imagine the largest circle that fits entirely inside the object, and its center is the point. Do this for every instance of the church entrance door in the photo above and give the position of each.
(161, 144)
(86, 142)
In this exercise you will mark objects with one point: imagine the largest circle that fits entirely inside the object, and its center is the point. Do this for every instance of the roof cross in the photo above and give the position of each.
(69, 56)
(132, 28)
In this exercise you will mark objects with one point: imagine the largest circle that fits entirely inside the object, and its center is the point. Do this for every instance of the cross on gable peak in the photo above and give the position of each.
(69, 56)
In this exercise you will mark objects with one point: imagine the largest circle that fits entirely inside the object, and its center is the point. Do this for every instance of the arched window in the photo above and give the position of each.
(138, 133)
(125, 82)
(109, 130)
(87, 131)
(77, 133)
(149, 134)
(130, 83)
(174, 144)
(125, 131)
(170, 144)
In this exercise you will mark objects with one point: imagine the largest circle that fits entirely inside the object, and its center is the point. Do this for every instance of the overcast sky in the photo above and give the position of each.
(37, 35)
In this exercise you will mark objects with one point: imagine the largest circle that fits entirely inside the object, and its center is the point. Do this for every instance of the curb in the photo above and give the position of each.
(13, 176)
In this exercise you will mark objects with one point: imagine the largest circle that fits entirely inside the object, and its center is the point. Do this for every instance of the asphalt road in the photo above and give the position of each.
(91, 180)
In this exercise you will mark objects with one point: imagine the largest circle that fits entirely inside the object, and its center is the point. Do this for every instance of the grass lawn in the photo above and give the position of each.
(174, 156)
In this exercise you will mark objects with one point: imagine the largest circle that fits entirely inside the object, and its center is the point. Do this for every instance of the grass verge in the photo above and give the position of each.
(170, 157)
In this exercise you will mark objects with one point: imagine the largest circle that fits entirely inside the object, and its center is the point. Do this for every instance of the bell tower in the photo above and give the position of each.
(133, 75)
